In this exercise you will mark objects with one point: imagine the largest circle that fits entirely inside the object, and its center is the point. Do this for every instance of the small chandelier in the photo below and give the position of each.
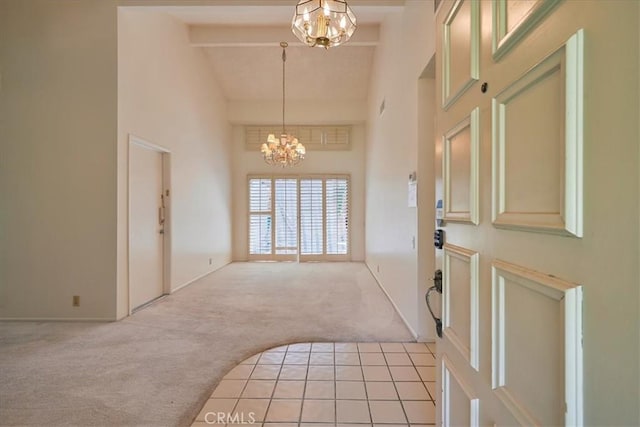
(286, 151)
(323, 23)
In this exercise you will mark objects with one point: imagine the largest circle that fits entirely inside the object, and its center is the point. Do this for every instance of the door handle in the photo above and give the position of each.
(161, 210)
(437, 280)
(437, 286)
(161, 217)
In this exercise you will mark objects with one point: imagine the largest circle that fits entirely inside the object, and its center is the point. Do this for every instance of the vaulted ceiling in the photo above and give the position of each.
(241, 41)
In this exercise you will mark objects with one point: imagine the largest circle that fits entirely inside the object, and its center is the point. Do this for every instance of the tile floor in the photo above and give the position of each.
(328, 384)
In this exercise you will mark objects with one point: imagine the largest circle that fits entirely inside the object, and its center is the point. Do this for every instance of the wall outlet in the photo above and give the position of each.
(76, 301)
(210, 261)
(378, 268)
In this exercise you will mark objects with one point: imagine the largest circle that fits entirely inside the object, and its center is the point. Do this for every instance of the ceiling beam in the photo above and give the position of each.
(252, 36)
(152, 3)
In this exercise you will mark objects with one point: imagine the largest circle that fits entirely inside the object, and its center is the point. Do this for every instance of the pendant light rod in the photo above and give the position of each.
(284, 60)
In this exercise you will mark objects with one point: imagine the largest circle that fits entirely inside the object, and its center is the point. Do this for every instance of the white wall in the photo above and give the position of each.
(58, 106)
(168, 97)
(316, 162)
(406, 45)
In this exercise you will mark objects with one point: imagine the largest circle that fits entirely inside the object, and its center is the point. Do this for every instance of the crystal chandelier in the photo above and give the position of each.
(286, 151)
(323, 23)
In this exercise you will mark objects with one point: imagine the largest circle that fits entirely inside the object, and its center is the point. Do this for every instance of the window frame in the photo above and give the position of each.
(298, 256)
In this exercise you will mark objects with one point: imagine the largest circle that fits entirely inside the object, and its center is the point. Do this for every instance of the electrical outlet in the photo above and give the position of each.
(377, 268)
(76, 301)
(210, 261)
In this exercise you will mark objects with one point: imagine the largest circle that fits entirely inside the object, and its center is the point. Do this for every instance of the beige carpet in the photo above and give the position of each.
(157, 367)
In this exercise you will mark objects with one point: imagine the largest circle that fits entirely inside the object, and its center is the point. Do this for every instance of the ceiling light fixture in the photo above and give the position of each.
(323, 23)
(286, 151)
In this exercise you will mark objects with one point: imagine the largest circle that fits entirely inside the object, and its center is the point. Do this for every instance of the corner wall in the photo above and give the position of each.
(58, 113)
(406, 45)
(166, 96)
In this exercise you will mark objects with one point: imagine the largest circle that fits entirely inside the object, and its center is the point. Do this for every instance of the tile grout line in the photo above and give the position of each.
(335, 387)
(275, 385)
(364, 384)
(253, 368)
(304, 391)
(396, 387)
(364, 380)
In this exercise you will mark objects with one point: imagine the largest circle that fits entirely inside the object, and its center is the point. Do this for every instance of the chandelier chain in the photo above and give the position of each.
(284, 60)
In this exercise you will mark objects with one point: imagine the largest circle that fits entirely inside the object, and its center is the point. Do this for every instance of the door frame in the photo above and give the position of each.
(166, 237)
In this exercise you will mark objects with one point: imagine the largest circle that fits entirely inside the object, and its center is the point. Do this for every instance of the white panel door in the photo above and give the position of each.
(145, 224)
(509, 165)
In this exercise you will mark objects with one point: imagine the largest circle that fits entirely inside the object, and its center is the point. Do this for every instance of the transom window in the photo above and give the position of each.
(305, 217)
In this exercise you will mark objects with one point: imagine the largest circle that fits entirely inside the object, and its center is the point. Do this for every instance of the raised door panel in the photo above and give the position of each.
(537, 356)
(461, 50)
(514, 19)
(537, 146)
(460, 301)
(460, 405)
(460, 170)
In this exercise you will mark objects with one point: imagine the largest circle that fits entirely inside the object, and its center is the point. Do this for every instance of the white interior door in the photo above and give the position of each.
(509, 157)
(146, 224)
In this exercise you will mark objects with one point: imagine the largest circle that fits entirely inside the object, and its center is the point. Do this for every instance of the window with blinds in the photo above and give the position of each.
(337, 216)
(286, 210)
(260, 216)
(311, 217)
(313, 211)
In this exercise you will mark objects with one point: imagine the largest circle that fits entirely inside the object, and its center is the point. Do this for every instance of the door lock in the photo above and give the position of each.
(438, 239)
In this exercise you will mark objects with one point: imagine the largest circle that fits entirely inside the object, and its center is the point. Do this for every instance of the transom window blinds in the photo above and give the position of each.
(311, 210)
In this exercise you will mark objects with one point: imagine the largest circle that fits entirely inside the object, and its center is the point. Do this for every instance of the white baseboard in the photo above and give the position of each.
(195, 279)
(406, 323)
(425, 339)
(58, 319)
